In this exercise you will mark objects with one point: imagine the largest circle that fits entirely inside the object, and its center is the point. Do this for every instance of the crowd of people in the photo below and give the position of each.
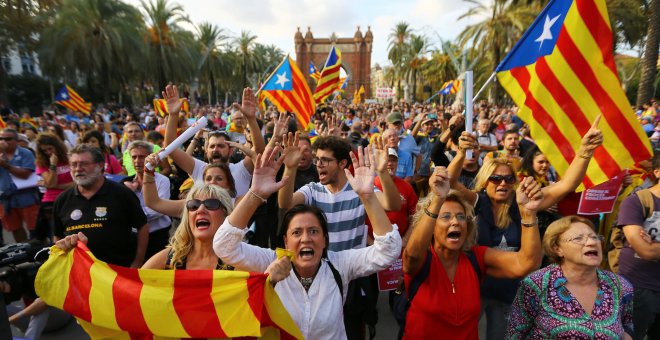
(482, 223)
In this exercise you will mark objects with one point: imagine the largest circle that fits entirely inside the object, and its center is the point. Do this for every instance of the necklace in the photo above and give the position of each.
(306, 282)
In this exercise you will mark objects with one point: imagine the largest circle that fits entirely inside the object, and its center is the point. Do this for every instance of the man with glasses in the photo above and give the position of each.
(106, 212)
(19, 205)
(216, 148)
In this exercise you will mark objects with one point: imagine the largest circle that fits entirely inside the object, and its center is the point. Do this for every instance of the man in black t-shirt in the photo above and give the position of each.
(106, 212)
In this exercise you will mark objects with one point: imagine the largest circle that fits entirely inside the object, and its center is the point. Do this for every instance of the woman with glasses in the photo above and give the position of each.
(498, 217)
(572, 298)
(443, 261)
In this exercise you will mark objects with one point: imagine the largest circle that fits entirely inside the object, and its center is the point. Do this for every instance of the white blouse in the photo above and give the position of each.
(318, 313)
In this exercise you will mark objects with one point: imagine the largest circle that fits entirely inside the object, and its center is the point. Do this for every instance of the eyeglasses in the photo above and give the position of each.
(209, 203)
(446, 217)
(497, 179)
(582, 239)
(322, 161)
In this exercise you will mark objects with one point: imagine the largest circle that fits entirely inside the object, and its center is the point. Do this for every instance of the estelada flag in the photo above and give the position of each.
(330, 77)
(160, 106)
(287, 89)
(70, 99)
(113, 302)
(562, 75)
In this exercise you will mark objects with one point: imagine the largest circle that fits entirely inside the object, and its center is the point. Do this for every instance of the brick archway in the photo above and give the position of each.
(355, 53)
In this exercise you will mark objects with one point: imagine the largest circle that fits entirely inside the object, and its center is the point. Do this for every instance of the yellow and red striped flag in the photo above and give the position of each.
(113, 302)
(160, 106)
(70, 99)
(287, 89)
(329, 81)
(27, 120)
(561, 74)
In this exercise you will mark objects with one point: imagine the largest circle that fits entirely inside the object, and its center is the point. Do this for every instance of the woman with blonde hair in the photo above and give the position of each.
(572, 298)
(498, 218)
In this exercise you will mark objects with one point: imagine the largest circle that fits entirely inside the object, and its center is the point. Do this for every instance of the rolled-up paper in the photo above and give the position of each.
(186, 135)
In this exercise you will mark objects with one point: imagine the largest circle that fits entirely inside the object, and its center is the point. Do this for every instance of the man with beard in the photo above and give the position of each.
(106, 212)
(511, 142)
(217, 147)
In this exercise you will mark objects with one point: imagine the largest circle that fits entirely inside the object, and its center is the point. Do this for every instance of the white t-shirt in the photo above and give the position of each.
(239, 172)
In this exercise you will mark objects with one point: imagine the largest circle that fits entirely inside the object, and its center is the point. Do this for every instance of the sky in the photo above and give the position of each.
(275, 21)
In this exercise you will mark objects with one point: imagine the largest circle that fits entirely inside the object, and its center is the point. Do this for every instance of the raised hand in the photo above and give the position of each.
(593, 138)
(439, 182)
(249, 104)
(364, 167)
(292, 153)
(333, 126)
(381, 155)
(281, 125)
(53, 159)
(265, 170)
(171, 96)
(529, 194)
(244, 149)
(152, 159)
(467, 141)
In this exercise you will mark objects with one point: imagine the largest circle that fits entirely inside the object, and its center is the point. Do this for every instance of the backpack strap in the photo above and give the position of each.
(475, 264)
(340, 284)
(646, 199)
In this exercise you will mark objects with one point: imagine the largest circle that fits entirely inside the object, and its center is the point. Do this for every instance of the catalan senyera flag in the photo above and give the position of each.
(329, 81)
(287, 89)
(29, 121)
(70, 99)
(112, 302)
(160, 106)
(313, 72)
(562, 75)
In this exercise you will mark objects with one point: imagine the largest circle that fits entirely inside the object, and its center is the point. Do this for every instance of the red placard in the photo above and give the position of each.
(601, 198)
(388, 279)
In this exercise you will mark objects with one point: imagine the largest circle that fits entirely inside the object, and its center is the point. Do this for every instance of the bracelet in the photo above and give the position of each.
(430, 214)
(263, 200)
(530, 224)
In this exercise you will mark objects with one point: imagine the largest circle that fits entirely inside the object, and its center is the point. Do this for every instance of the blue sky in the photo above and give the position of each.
(275, 21)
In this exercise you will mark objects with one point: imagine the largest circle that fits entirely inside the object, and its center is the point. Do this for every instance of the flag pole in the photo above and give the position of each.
(469, 105)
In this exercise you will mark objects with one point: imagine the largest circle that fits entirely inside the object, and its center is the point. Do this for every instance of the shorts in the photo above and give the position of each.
(16, 217)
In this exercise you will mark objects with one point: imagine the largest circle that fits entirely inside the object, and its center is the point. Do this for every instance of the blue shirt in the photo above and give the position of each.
(406, 167)
(10, 196)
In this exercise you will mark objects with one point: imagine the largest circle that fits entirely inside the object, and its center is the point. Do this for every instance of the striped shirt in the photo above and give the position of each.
(345, 214)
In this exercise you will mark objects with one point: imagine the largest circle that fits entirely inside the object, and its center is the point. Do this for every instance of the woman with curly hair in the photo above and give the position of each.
(53, 167)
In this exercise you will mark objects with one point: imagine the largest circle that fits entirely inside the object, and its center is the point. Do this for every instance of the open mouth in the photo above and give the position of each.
(202, 224)
(323, 175)
(454, 235)
(590, 253)
(306, 253)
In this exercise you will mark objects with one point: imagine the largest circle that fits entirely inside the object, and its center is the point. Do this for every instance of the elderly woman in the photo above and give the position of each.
(443, 245)
(498, 218)
(572, 298)
(314, 292)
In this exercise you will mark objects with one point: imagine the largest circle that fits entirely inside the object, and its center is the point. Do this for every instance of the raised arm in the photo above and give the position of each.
(504, 264)
(389, 198)
(414, 253)
(151, 197)
(286, 198)
(467, 141)
(578, 168)
(184, 161)
(249, 110)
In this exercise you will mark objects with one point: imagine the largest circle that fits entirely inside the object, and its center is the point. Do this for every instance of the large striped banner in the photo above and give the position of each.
(561, 74)
(112, 302)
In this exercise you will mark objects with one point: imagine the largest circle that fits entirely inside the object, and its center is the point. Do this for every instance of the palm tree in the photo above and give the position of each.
(100, 39)
(397, 46)
(244, 45)
(210, 37)
(506, 21)
(649, 61)
(415, 57)
(170, 46)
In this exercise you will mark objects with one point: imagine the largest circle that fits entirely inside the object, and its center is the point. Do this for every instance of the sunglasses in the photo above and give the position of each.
(497, 179)
(209, 203)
